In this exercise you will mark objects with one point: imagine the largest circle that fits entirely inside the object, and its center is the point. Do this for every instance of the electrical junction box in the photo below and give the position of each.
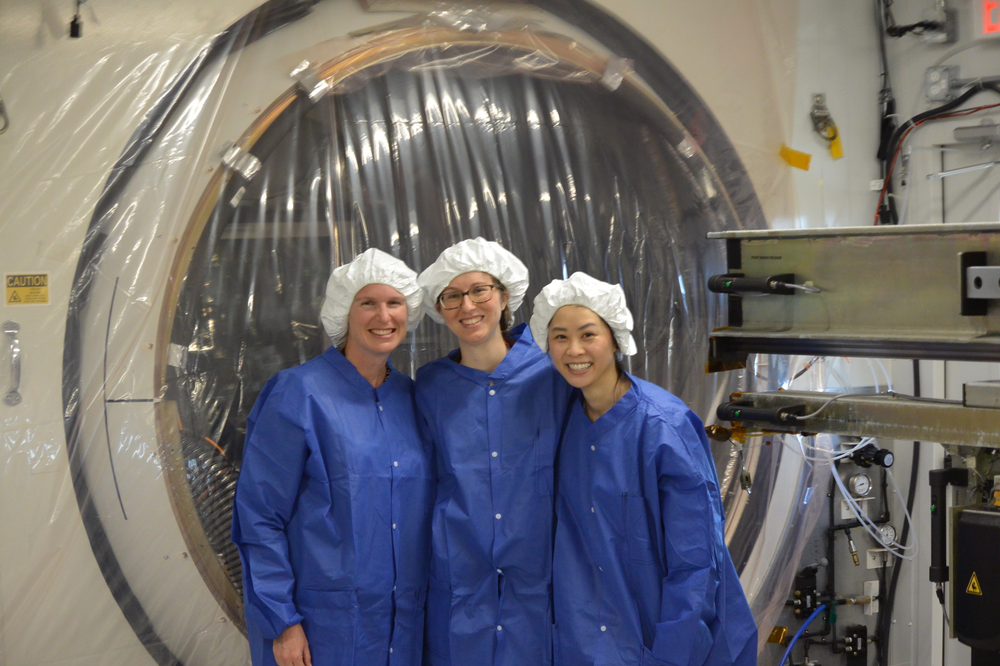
(987, 13)
(976, 581)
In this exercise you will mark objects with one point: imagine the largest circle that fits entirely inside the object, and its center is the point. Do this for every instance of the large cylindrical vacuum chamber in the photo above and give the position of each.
(547, 126)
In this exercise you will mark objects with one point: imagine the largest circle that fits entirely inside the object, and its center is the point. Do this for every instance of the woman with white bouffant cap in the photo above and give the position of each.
(492, 410)
(330, 515)
(641, 573)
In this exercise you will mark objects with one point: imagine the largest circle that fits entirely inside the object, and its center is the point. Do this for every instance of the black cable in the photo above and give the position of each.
(887, 120)
(884, 624)
(887, 210)
(969, 93)
(919, 28)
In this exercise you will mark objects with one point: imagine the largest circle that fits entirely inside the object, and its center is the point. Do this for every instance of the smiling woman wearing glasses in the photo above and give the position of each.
(492, 410)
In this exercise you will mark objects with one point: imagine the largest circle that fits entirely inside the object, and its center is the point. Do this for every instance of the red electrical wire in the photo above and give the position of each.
(902, 140)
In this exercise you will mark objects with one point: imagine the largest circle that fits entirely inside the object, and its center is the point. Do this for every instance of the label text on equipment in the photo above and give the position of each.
(26, 289)
(974, 587)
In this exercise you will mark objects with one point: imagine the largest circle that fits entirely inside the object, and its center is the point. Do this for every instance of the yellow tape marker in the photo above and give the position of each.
(26, 289)
(795, 158)
(974, 587)
(836, 147)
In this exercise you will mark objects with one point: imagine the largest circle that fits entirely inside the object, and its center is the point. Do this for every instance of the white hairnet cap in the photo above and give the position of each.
(606, 300)
(373, 266)
(476, 254)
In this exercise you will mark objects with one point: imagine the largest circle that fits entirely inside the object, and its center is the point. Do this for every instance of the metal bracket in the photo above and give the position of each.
(983, 282)
(822, 119)
(615, 73)
(177, 356)
(240, 161)
(943, 85)
(12, 397)
(310, 81)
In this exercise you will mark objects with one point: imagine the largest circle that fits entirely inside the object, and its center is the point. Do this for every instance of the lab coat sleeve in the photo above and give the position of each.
(273, 465)
(692, 536)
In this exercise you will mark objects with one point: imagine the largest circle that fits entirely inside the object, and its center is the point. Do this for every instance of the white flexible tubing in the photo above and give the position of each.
(871, 368)
(832, 370)
(833, 455)
(885, 373)
(909, 520)
(870, 527)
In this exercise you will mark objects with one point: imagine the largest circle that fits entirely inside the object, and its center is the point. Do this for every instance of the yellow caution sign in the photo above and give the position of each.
(973, 587)
(26, 289)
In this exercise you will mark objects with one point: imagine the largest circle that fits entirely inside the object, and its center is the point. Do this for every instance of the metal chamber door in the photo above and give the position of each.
(202, 276)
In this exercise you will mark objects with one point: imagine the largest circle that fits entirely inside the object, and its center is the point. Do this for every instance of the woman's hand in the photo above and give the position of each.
(291, 648)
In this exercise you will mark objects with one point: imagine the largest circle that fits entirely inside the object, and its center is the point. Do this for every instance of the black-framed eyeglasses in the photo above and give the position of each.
(481, 293)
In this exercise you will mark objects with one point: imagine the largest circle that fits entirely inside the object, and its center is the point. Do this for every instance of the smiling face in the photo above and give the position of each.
(376, 323)
(582, 347)
(474, 323)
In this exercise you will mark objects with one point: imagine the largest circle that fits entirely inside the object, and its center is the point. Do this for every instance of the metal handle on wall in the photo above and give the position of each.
(12, 397)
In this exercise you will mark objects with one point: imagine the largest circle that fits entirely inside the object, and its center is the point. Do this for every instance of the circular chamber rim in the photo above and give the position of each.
(383, 48)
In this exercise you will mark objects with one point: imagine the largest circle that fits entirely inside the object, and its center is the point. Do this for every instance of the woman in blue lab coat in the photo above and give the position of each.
(641, 573)
(331, 513)
(492, 409)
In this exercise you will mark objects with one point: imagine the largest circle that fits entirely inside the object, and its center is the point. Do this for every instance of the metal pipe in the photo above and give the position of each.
(961, 170)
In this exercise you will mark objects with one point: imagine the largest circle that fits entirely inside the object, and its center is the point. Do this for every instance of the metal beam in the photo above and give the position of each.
(889, 292)
(883, 416)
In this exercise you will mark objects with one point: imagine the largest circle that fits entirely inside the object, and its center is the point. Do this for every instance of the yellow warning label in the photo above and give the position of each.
(973, 587)
(26, 289)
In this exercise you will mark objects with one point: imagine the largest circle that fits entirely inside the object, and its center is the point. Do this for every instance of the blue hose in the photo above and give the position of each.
(798, 633)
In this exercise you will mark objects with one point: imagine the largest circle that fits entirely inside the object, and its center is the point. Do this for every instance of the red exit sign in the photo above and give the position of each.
(989, 18)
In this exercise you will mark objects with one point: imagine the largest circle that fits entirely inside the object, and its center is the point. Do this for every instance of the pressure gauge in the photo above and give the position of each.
(860, 484)
(888, 533)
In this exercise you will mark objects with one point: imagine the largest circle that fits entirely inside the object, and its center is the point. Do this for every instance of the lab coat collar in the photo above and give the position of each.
(351, 374)
(524, 348)
(618, 412)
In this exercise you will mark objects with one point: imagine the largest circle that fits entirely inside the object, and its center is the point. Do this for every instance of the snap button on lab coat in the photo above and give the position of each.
(380, 408)
(394, 526)
(499, 570)
(592, 510)
(603, 628)
(395, 463)
(494, 454)
(390, 650)
(492, 392)
(593, 448)
(499, 628)
(498, 516)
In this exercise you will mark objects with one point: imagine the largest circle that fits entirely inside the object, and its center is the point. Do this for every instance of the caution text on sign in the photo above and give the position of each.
(26, 289)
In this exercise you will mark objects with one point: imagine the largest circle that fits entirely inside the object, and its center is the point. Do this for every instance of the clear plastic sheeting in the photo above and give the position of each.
(189, 271)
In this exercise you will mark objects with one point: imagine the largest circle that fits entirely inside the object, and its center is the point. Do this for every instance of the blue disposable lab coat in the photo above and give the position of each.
(332, 516)
(495, 438)
(641, 573)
